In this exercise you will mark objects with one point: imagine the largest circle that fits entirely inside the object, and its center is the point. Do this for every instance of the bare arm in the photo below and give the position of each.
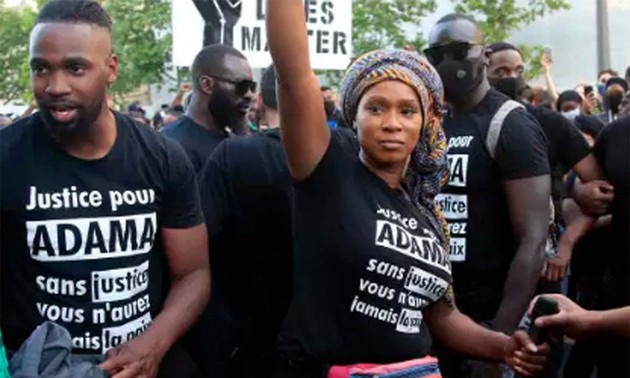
(305, 134)
(588, 169)
(187, 254)
(528, 204)
(551, 87)
(459, 333)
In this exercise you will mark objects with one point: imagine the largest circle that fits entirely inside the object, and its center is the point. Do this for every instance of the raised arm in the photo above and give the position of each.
(305, 134)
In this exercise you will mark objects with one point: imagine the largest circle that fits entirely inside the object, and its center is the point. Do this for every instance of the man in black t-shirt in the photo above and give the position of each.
(567, 148)
(245, 200)
(223, 90)
(611, 150)
(95, 208)
(497, 198)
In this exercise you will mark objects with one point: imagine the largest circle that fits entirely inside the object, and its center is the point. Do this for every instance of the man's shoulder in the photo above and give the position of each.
(244, 150)
(18, 132)
(493, 101)
(621, 123)
(173, 128)
(617, 128)
(145, 139)
(547, 118)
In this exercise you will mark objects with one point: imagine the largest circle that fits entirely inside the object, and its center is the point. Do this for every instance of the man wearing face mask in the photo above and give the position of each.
(223, 91)
(567, 148)
(616, 88)
(497, 198)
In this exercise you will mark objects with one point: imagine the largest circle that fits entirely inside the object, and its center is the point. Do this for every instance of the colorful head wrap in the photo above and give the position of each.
(427, 170)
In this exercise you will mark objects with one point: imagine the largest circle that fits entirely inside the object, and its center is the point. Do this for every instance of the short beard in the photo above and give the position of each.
(75, 130)
(223, 112)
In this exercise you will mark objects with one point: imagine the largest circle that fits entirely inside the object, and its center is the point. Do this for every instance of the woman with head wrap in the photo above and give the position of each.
(371, 271)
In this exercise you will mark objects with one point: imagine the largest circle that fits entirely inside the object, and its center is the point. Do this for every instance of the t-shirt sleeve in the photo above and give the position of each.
(569, 143)
(214, 189)
(181, 207)
(522, 147)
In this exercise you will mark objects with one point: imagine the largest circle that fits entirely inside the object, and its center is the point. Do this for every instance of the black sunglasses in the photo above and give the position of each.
(241, 86)
(457, 51)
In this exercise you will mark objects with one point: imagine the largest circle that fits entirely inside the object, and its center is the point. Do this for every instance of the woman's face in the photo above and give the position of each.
(389, 119)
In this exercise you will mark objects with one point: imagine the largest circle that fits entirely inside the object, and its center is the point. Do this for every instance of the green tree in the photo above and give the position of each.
(15, 26)
(380, 24)
(500, 18)
(142, 41)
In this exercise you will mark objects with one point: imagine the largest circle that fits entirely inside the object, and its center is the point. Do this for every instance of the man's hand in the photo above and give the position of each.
(557, 265)
(594, 197)
(570, 321)
(523, 356)
(546, 62)
(556, 268)
(139, 357)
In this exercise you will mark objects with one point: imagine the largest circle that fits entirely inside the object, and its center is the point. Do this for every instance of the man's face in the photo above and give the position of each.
(505, 73)
(232, 94)
(72, 66)
(506, 64)
(458, 55)
(603, 78)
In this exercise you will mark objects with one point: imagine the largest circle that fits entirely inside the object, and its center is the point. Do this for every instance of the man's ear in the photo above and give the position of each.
(112, 65)
(206, 84)
(487, 53)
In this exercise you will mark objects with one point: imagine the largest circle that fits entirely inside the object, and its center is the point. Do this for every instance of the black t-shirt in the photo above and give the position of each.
(81, 239)
(474, 203)
(566, 145)
(612, 151)
(244, 191)
(366, 263)
(198, 142)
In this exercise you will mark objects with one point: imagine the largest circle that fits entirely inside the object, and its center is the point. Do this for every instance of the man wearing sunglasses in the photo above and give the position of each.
(222, 93)
(497, 197)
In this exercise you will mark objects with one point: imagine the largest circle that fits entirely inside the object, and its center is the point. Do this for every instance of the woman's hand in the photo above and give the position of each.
(523, 356)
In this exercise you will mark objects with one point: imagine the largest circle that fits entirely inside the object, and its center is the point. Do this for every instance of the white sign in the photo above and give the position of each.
(242, 24)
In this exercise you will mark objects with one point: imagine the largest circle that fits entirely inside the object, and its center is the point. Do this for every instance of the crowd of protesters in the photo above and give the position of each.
(405, 221)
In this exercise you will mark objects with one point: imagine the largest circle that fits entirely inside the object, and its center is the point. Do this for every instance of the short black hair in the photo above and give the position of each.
(325, 88)
(503, 46)
(75, 12)
(268, 88)
(619, 81)
(209, 61)
(568, 96)
(628, 72)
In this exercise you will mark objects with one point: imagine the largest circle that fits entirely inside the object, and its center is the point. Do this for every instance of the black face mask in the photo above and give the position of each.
(614, 101)
(460, 78)
(509, 86)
